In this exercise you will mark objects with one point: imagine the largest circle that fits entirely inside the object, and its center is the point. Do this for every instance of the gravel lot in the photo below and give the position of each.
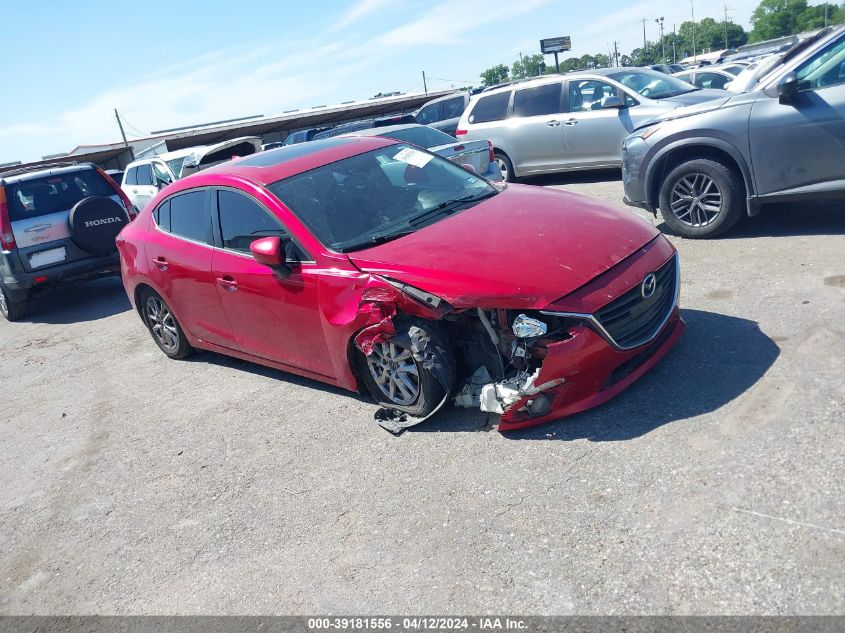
(134, 484)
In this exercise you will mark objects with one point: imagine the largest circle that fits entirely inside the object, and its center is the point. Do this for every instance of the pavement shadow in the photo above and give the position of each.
(76, 302)
(221, 360)
(574, 177)
(787, 220)
(718, 359)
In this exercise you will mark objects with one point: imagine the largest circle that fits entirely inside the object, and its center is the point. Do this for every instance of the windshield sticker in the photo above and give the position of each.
(413, 157)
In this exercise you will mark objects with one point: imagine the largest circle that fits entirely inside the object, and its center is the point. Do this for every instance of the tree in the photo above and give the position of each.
(528, 66)
(494, 75)
(776, 18)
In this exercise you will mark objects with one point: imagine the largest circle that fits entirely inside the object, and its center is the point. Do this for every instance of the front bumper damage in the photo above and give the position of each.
(505, 362)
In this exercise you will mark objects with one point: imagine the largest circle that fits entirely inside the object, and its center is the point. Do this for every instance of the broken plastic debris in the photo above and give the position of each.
(470, 396)
(526, 327)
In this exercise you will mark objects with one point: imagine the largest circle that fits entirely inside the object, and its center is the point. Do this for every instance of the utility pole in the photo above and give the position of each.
(123, 134)
(825, 14)
(692, 8)
(726, 26)
(425, 86)
(662, 43)
(616, 52)
(674, 39)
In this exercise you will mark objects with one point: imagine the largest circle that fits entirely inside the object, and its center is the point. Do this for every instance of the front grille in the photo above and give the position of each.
(631, 320)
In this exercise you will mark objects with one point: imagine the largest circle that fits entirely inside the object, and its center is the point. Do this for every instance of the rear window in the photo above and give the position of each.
(145, 174)
(132, 176)
(491, 108)
(453, 108)
(42, 196)
(422, 136)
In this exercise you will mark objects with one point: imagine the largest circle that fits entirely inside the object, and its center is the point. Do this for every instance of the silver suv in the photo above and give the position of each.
(574, 121)
(707, 166)
(56, 223)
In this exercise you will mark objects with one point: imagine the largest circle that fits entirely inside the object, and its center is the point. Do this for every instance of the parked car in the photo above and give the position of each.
(313, 260)
(572, 121)
(668, 69)
(143, 179)
(705, 167)
(57, 223)
(274, 145)
(753, 73)
(476, 154)
(364, 124)
(709, 77)
(302, 136)
(443, 113)
(116, 175)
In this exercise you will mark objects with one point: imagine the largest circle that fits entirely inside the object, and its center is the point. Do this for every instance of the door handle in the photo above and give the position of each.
(553, 123)
(227, 283)
(161, 263)
(571, 122)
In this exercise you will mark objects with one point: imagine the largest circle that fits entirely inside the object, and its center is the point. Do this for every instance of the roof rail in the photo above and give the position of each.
(28, 168)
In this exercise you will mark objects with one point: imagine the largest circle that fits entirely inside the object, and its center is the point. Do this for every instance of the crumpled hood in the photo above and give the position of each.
(523, 249)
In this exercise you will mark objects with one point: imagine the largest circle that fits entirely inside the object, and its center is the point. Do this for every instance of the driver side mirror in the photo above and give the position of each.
(788, 88)
(270, 252)
(613, 101)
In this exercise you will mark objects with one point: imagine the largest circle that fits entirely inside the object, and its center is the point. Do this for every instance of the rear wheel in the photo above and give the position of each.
(163, 326)
(12, 310)
(701, 198)
(505, 166)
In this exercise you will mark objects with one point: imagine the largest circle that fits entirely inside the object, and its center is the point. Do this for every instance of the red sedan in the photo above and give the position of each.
(366, 262)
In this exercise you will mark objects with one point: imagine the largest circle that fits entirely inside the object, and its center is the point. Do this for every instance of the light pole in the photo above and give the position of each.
(692, 8)
(662, 42)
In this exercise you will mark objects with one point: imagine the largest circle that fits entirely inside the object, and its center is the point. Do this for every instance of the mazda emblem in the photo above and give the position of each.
(648, 286)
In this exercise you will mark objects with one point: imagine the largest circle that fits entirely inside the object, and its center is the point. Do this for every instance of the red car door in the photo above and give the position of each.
(273, 318)
(180, 250)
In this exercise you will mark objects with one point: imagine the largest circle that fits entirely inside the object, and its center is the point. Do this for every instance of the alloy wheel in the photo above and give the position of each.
(162, 324)
(503, 167)
(395, 371)
(696, 200)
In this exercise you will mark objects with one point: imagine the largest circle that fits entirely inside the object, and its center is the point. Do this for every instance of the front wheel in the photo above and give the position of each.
(394, 378)
(163, 326)
(701, 198)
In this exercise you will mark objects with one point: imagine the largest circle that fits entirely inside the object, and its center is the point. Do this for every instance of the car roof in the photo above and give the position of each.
(23, 174)
(451, 95)
(386, 129)
(272, 165)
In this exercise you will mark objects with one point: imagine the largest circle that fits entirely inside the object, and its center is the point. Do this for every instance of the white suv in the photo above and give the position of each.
(143, 179)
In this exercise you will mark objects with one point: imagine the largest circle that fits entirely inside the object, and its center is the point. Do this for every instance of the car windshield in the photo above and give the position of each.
(175, 165)
(380, 195)
(422, 135)
(652, 84)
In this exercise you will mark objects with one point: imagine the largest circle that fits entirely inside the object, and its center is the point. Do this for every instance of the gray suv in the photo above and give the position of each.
(574, 121)
(56, 223)
(706, 166)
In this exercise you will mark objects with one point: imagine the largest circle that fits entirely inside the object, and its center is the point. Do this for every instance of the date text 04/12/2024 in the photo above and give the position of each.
(417, 623)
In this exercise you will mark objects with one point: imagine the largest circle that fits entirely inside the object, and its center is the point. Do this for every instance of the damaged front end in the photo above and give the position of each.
(526, 366)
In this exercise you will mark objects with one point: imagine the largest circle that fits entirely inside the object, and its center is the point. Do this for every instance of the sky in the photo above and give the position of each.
(68, 65)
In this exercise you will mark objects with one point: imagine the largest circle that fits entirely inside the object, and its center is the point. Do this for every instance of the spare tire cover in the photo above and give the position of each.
(95, 222)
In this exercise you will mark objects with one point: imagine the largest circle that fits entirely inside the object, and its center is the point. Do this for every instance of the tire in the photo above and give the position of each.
(423, 392)
(696, 183)
(505, 165)
(12, 310)
(163, 326)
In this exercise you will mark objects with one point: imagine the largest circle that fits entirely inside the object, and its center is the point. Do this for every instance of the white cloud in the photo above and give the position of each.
(358, 11)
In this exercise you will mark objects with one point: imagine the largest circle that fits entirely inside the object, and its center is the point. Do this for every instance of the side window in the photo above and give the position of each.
(825, 68)
(491, 108)
(145, 174)
(132, 176)
(587, 94)
(428, 114)
(453, 108)
(162, 216)
(537, 101)
(161, 174)
(189, 216)
(710, 80)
